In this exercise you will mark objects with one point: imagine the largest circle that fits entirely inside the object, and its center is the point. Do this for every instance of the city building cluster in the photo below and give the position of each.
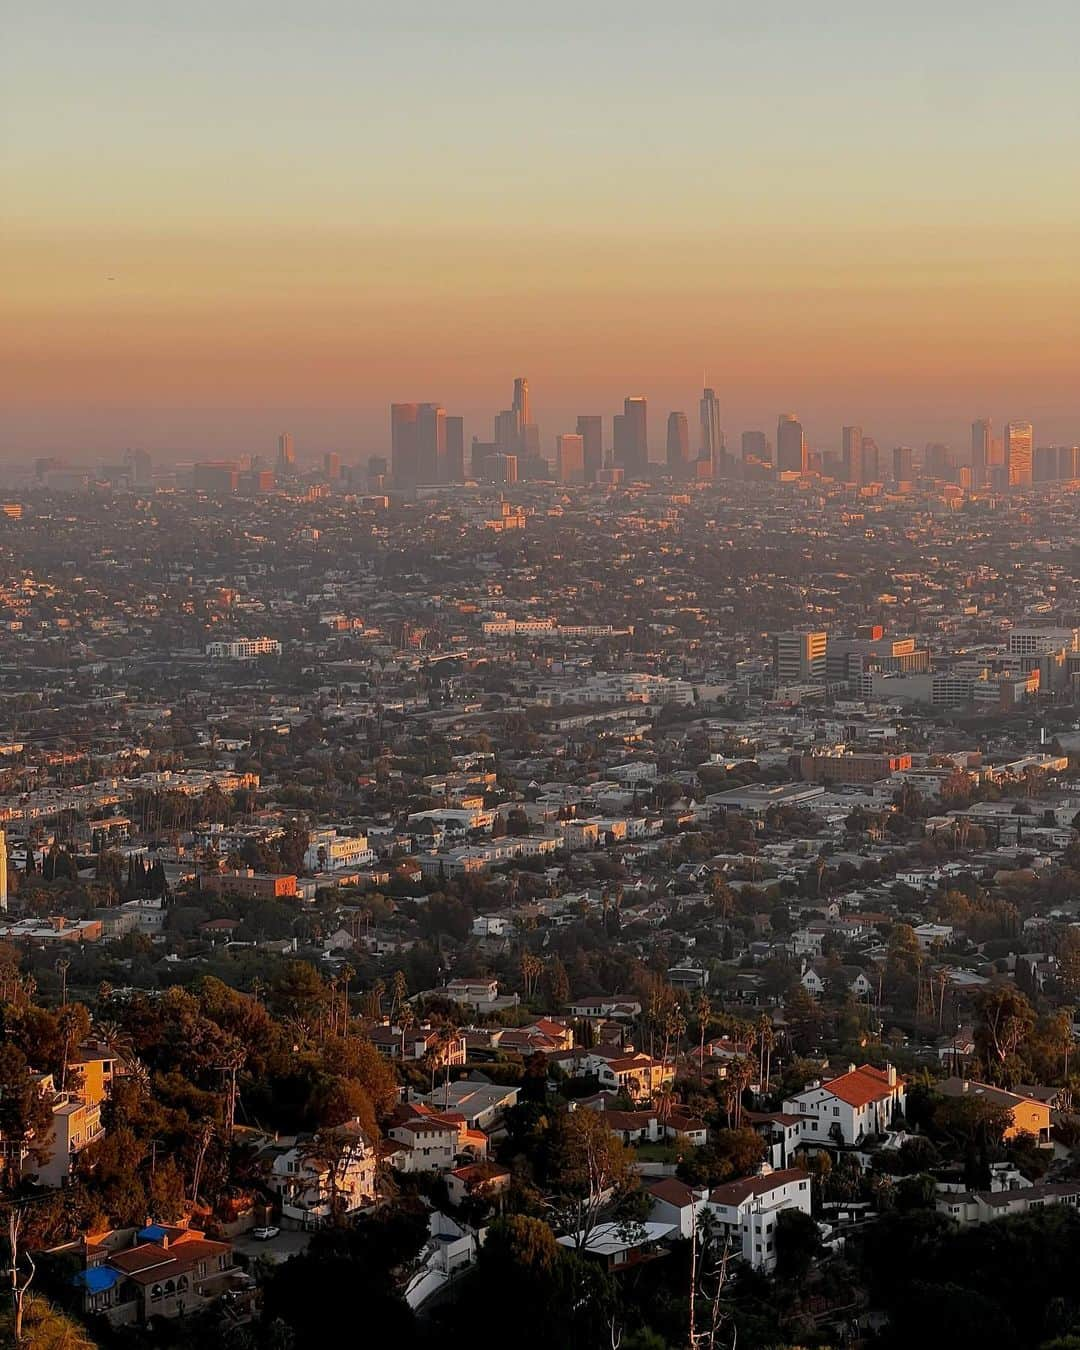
(613, 881)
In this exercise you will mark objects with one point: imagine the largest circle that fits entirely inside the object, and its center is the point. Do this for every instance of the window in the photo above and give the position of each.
(836, 1110)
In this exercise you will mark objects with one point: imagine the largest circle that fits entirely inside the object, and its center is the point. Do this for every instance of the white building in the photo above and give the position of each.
(746, 1211)
(334, 1171)
(243, 649)
(850, 1108)
(328, 851)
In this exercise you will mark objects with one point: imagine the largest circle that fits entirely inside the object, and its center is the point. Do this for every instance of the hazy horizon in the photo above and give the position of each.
(238, 218)
(179, 434)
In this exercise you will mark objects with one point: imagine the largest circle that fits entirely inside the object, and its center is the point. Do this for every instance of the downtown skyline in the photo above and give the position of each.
(238, 219)
(360, 432)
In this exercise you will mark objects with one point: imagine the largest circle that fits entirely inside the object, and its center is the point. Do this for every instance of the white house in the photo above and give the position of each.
(492, 926)
(746, 1211)
(674, 1202)
(426, 1143)
(332, 1171)
(328, 851)
(450, 1248)
(928, 934)
(848, 1109)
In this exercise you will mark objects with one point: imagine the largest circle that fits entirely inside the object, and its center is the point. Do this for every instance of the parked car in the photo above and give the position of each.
(265, 1234)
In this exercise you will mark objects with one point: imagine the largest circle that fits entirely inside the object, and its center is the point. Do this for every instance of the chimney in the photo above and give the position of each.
(851, 1068)
(892, 1074)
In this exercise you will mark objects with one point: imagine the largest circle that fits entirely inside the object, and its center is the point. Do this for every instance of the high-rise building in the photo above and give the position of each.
(1044, 464)
(570, 458)
(852, 455)
(631, 435)
(331, 462)
(903, 464)
(712, 442)
(871, 459)
(455, 450)
(591, 430)
(217, 477)
(982, 441)
(483, 452)
(799, 656)
(430, 443)
(791, 454)
(1069, 462)
(286, 453)
(755, 445)
(141, 466)
(404, 443)
(377, 473)
(1019, 453)
(508, 431)
(504, 470)
(521, 401)
(938, 462)
(678, 444)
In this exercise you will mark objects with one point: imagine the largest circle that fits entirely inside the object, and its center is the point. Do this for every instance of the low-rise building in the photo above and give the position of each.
(746, 1211)
(850, 1108)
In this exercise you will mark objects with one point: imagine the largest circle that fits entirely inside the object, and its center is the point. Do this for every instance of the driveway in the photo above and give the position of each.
(279, 1249)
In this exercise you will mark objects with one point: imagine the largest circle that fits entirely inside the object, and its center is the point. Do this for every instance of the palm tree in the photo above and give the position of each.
(766, 1041)
(407, 1019)
(704, 1015)
(347, 974)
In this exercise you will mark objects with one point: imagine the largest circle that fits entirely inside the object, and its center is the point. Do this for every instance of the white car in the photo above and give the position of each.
(265, 1234)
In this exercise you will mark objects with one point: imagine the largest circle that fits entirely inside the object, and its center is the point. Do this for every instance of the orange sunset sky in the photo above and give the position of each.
(229, 219)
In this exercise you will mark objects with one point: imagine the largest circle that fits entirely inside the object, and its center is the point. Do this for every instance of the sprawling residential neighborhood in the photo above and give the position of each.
(603, 916)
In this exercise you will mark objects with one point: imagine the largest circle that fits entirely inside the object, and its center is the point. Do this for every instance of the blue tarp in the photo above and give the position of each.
(153, 1232)
(97, 1278)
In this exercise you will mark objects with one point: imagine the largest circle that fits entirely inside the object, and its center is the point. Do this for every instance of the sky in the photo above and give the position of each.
(223, 220)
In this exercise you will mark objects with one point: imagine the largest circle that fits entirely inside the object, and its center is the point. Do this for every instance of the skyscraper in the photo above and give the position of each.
(937, 462)
(141, 466)
(982, 440)
(871, 460)
(504, 470)
(1019, 453)
(455, 450)
(521, 401)
(286, 454)
(631, 435)
(508, 431)
(591, 430)
(755, 445)
(404, 446)
(678, 444)
(483, 456)
(790, 445)
(903, 469)
(712, 445)
(851, 450)
(430, 443)
(331, 461)
(570, 458)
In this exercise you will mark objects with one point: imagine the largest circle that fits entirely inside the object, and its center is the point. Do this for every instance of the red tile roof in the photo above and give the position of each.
(861, 1086)
(735, 1192)
(674, 1191)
